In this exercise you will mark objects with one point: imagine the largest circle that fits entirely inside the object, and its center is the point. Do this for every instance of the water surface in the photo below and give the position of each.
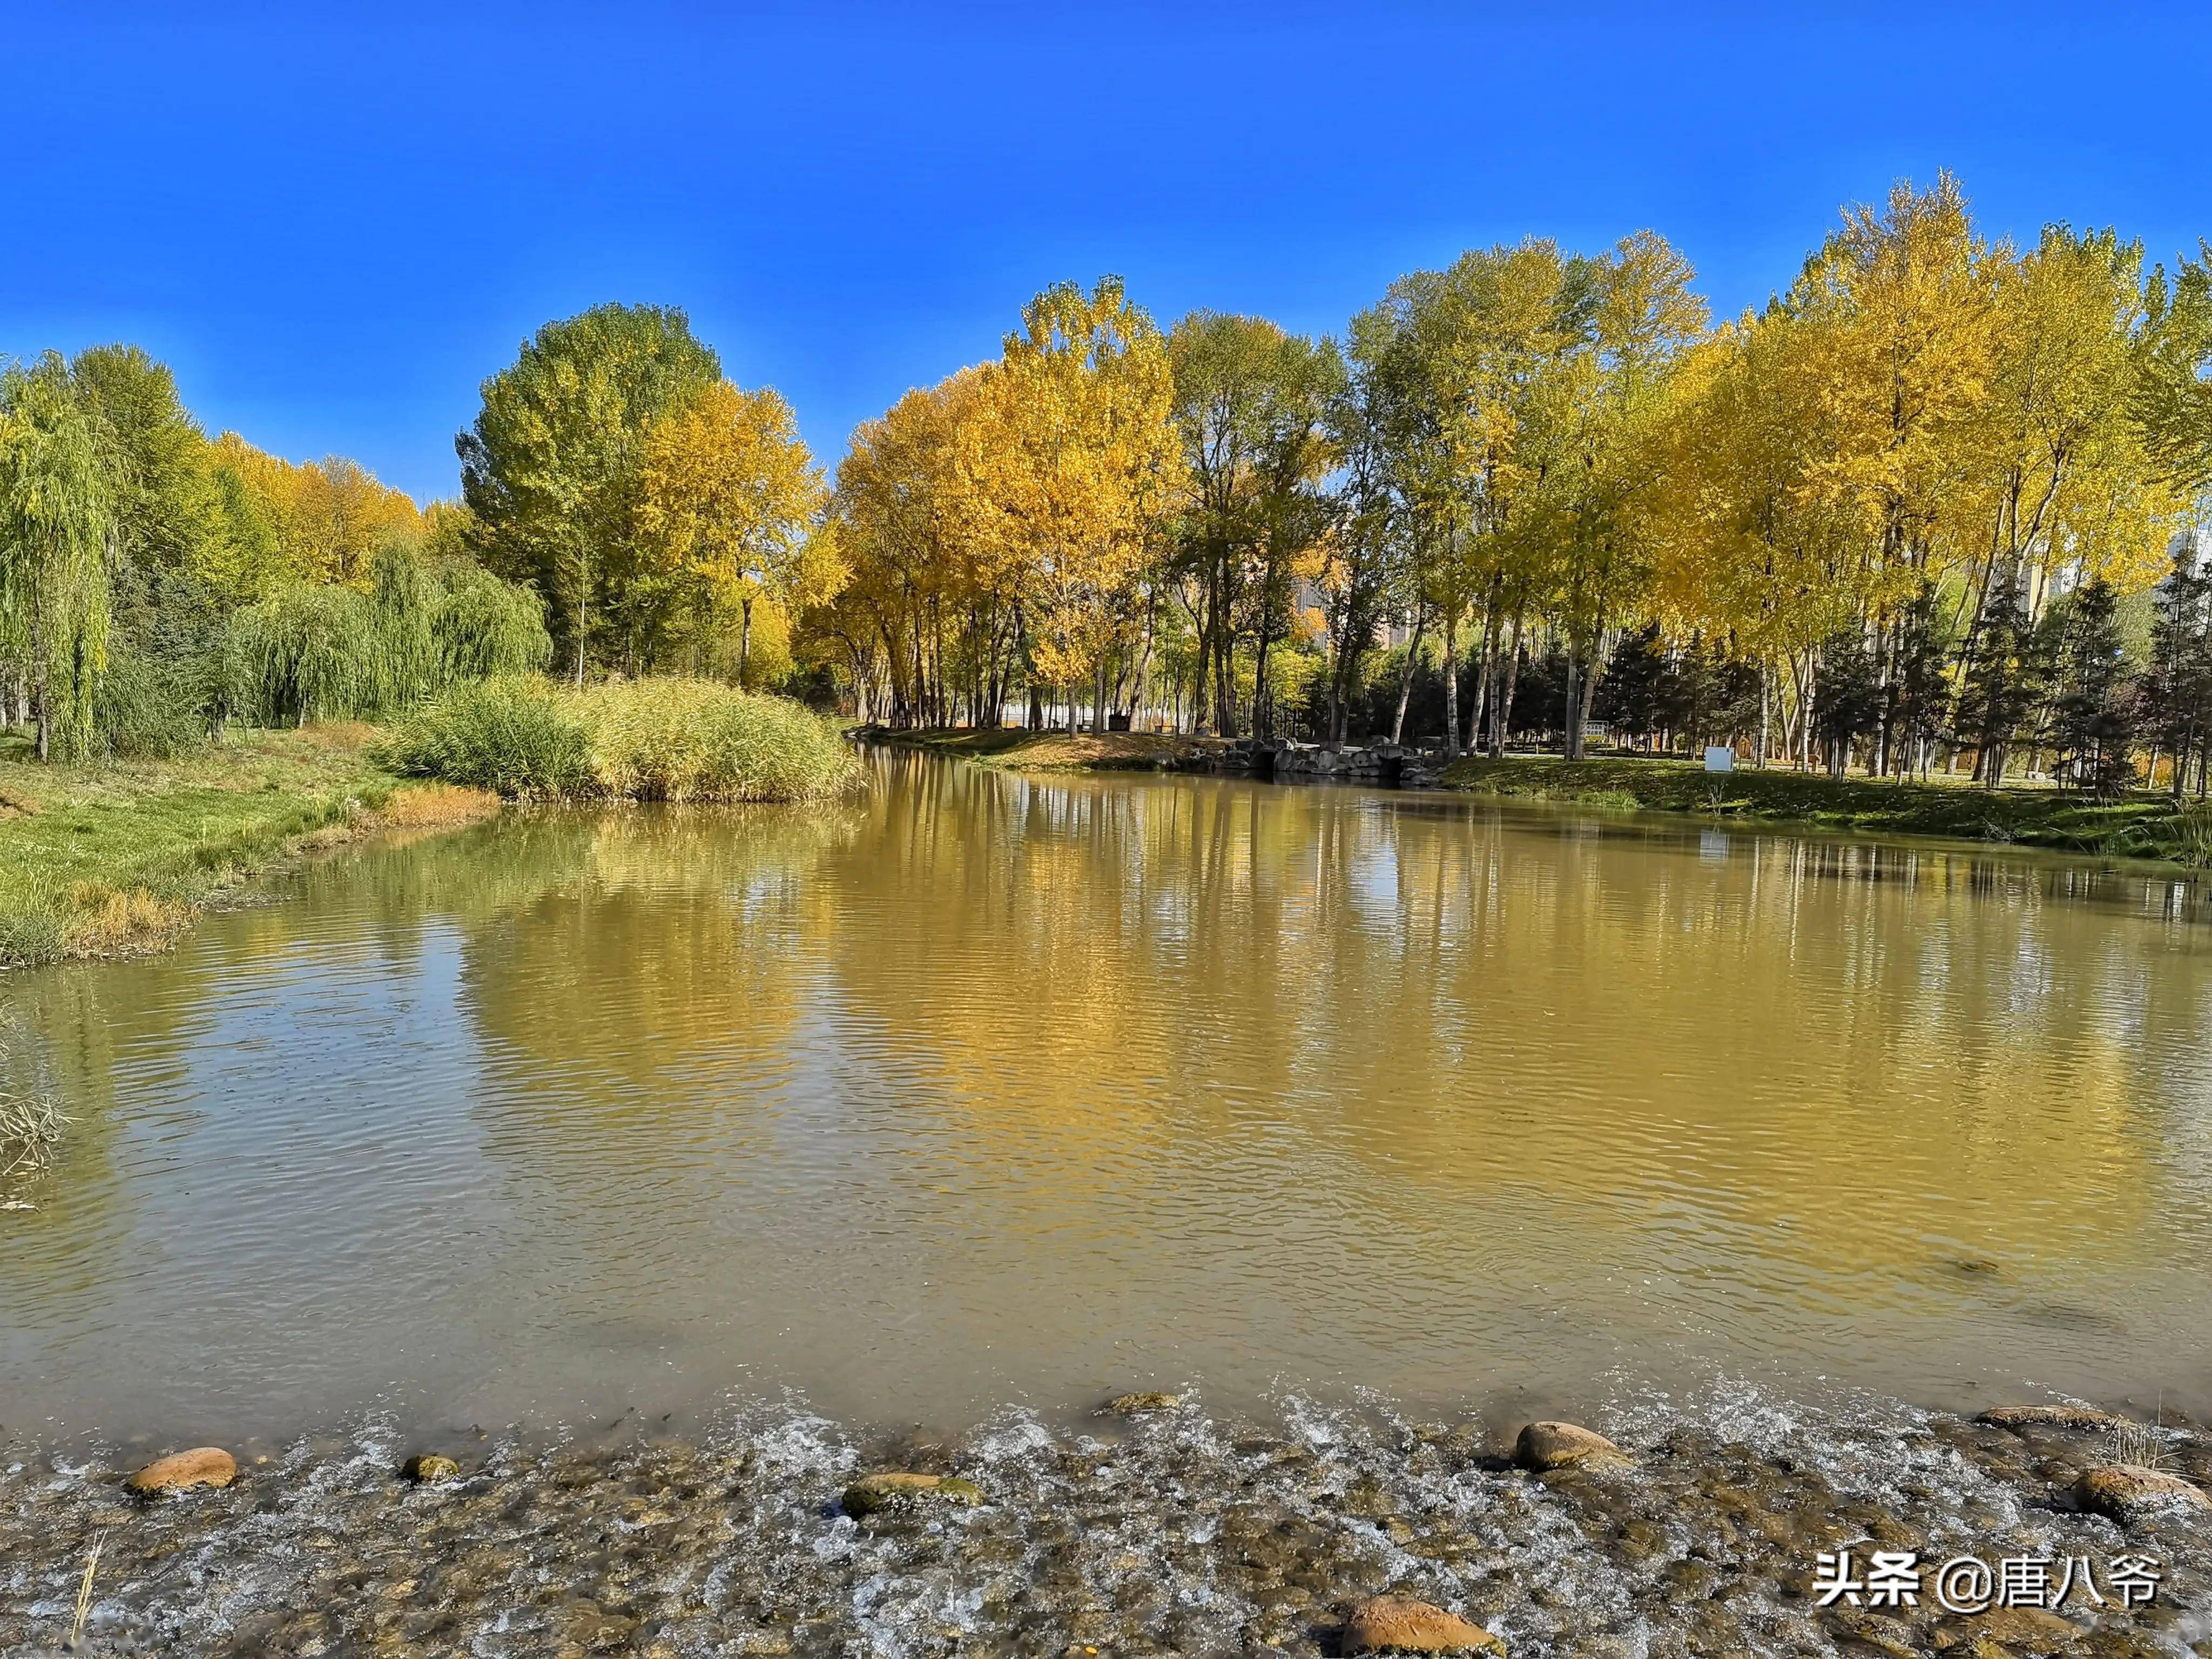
(985, 1090)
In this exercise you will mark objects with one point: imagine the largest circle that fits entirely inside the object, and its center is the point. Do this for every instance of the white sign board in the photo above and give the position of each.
(1718, 759)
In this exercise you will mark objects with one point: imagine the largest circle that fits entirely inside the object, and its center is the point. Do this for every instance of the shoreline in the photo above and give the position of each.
(118, 859)
(1154, 1527)
(2141, 828)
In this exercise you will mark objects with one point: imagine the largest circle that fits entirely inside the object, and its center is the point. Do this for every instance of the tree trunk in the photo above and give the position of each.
(1503, 715)
(1406, 679)
(1582, 712)
(1572, 747)
(41, 686)
(744, 637)
(1451, 682)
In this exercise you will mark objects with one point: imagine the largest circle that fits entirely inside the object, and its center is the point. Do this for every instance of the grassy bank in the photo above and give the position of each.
(1051, 751)
(112, 858)
(2140, 827)
(656, 739)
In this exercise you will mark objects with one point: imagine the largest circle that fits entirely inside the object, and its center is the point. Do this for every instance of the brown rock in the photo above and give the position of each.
(881, 1492)
(1397, 1623)
(2014, 1630)
(2050, 1417)
(203, 1466)
(1566, 1445)
(2125, 1490)
(1135, 1405)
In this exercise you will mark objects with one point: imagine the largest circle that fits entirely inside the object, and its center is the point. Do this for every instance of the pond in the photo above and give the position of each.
(985, 1089)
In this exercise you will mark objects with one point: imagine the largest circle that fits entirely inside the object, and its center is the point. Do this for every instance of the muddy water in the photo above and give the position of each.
(987, 1092)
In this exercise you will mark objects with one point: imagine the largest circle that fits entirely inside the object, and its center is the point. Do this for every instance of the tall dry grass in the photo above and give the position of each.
(655, 739)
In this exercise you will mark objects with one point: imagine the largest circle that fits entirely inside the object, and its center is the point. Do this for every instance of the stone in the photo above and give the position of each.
(2049, 1417)
(1136, 1405)
(2020, 1631)
(2127, 1490)
(1397, 1623)
(202, 1466)
(871, 1493)
(1543, 1446)
(429, 1468)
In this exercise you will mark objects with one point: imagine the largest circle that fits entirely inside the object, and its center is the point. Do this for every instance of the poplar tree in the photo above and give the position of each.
(551, 469)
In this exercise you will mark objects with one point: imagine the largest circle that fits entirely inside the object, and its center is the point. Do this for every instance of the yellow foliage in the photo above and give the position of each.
(328, 517)
(729, 500)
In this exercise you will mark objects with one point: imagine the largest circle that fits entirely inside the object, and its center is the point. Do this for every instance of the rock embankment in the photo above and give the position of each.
(1153, 1530)
(1382, 763)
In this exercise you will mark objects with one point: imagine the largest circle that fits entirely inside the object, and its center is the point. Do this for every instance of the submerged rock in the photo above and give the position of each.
(429, 1468)
(2126, 1491)
(2016, 1631)
(2052, 1417)
(1397, 1623)
(874, 1493)
(1136, 1405)
(1544, 1446)
(202, 1466)
(1199, 1534)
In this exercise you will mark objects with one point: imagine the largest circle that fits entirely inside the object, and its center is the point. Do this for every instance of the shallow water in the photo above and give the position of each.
(987, 1089)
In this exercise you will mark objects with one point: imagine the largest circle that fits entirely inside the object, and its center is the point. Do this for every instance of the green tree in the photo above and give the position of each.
(2177, 687)
(1851, 700)
(160, 482)
(2172, 402)
(2003, 683)
(57, 529)
(550, 469)
(2094, 719)
(1249, 403)
(1638, 688)
(1922, 689)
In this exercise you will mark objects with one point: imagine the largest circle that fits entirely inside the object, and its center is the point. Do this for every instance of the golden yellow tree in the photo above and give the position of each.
(730, 495)
(328, 517)
(1068, 469)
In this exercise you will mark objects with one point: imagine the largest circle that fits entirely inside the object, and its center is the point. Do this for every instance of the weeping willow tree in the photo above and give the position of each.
(328, 652)
(309, 651)
(484, 627)
(57, 527)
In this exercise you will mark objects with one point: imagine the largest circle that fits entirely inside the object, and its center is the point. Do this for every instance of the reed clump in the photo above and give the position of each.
(656, 739)
(31, 1123)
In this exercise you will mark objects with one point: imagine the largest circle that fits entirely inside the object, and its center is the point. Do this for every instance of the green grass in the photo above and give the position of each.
(1016, 750)
(110, 857)
(2141, 826)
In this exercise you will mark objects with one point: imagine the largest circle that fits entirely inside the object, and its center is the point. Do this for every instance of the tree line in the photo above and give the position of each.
(1932, 505)
(157, 584)
(1904, 515)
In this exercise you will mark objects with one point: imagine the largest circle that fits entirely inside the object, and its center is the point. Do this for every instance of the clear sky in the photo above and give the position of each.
(335, 222)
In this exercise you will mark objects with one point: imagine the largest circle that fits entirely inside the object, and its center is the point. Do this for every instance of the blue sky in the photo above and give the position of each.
(334, 223)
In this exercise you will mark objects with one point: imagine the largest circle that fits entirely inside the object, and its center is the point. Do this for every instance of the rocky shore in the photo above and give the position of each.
(1380, 763)
(1152, 1528)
